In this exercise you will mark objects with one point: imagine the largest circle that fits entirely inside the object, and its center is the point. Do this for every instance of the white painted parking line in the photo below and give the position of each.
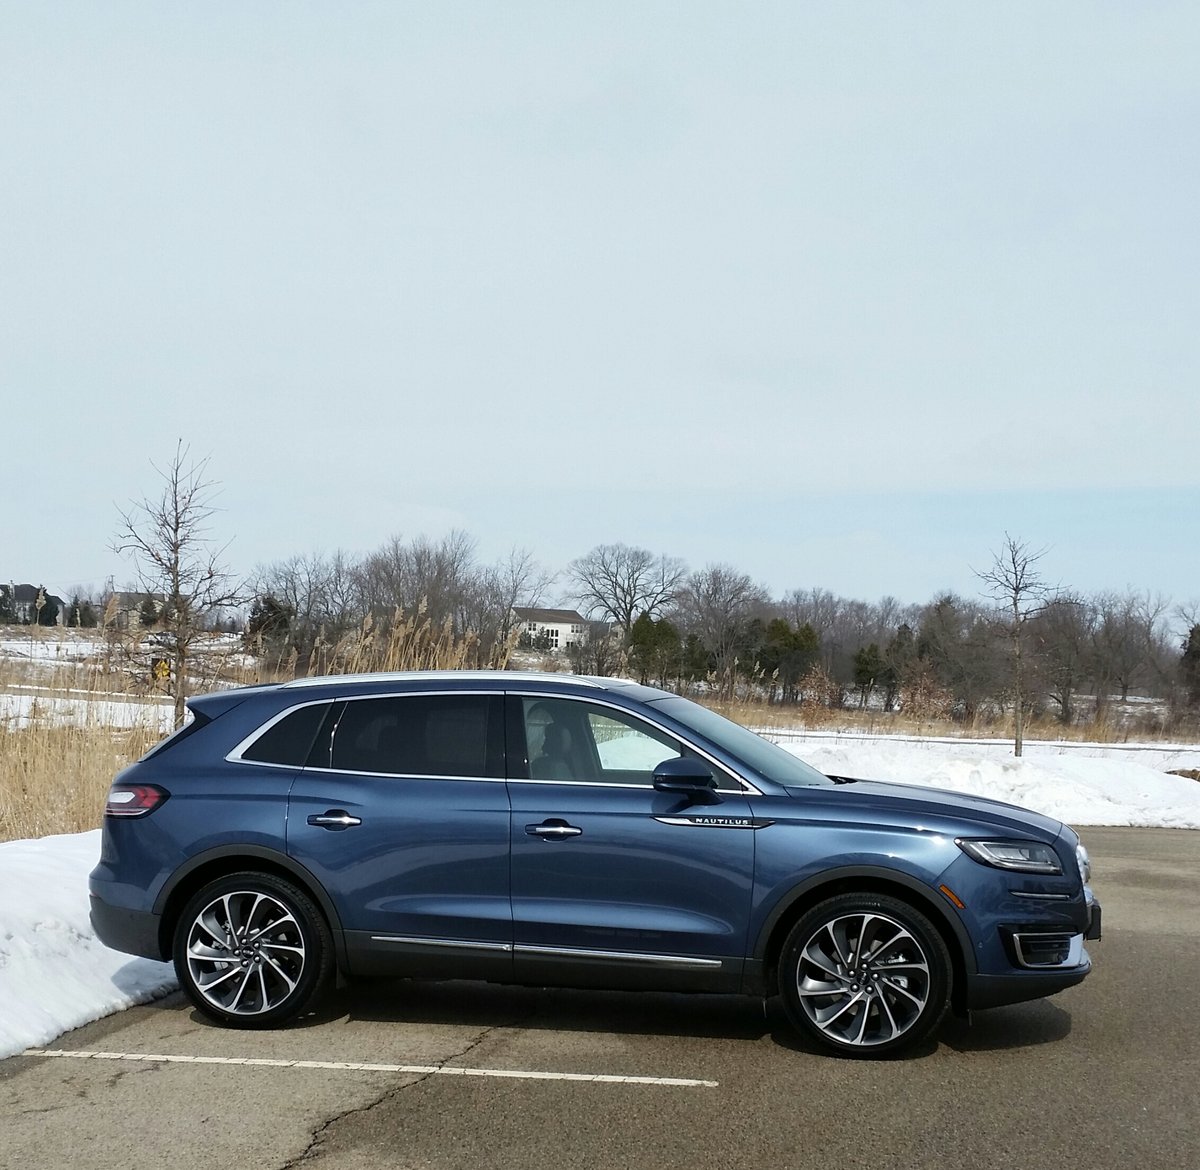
(440, 1070)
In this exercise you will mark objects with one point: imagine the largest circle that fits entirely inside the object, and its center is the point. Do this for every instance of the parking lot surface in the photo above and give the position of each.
(465, 1074)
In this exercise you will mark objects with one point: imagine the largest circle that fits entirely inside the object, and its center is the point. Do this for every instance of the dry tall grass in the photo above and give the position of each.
(55, 779)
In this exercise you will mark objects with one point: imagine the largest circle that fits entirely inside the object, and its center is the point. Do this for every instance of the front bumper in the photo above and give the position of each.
(1046, 962)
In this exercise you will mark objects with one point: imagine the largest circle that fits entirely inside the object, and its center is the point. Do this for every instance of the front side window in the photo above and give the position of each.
(420, 735)
(573, 741)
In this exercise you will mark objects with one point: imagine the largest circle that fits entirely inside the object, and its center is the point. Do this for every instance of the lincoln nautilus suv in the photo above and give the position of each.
(558, 831)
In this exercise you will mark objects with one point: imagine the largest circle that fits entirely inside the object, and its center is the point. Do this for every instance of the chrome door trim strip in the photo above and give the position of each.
(554, 952)
(459, 944)
(624, 956)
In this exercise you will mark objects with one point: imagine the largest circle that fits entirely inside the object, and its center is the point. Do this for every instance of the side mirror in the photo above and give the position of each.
(687, 777)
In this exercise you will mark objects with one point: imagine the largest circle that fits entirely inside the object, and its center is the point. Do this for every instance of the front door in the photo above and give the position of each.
(614, 883)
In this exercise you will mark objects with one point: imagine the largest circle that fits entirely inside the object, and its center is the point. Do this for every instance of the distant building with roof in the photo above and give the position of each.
(21, 601)
(551, 629)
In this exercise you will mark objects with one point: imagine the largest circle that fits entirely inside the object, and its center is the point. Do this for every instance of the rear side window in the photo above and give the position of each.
(421, 735)
(197, 721)
(289, 740)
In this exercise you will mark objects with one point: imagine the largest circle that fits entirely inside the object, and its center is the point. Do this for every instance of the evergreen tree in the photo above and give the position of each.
(654, 648)
(270, 618)
(868, 666)
(47, 612)
(1189, 666)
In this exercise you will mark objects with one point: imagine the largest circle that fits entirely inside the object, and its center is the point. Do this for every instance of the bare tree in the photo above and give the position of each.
(1129, 645)
(499, 588)
(1014, 583)
(167, 536)
(1061, 644)
(620, 583)
(717, 604)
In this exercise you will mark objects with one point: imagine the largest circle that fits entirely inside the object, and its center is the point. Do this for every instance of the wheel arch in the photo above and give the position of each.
(217, 863)
(865, 879)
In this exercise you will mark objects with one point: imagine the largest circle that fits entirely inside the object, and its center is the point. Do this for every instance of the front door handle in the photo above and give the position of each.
(335, 819)
(553, 830)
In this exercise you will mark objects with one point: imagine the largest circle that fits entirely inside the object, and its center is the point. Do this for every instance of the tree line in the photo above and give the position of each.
(1018, 647)
(1021, 646)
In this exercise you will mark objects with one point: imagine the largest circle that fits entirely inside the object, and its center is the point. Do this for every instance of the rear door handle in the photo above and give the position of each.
(553, 830)
(335, 819)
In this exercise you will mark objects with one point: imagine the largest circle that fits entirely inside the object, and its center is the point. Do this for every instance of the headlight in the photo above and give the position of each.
(1023, 856)
(1085, 863)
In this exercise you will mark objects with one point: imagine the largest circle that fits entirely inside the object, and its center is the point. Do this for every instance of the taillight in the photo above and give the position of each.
(134, 800)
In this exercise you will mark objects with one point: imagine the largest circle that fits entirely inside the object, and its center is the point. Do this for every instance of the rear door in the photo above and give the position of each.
(402, 814)
(613, 882)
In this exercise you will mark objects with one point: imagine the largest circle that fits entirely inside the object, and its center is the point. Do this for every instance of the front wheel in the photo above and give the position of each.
(252, 950)
(865, 975)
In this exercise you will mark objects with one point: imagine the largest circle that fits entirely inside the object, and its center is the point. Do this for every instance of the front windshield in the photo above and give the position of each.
(767, 759)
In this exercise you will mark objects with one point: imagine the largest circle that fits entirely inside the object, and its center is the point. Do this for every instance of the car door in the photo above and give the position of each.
(613, 882)
(402, 815)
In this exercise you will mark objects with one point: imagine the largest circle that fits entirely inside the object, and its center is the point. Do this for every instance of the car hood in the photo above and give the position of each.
(935, 808)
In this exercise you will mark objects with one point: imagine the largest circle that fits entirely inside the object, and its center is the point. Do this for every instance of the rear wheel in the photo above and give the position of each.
(252, 950)
(865, 975)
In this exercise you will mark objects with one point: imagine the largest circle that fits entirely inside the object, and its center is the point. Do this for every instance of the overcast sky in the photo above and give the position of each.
(835, 293)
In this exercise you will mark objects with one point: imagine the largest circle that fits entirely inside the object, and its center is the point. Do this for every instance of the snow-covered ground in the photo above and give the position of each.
(55, 975)
(25, 708)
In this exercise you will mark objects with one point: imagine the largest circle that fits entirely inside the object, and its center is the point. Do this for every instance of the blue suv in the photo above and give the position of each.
(550, 830)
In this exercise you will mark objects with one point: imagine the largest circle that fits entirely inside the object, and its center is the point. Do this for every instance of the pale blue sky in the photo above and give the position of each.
(836, 293)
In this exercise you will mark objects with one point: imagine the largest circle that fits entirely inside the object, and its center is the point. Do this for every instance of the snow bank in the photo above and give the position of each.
(54, 973)
(1080, 790)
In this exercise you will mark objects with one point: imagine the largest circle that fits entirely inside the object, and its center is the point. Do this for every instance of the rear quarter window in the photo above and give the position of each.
(290, 739)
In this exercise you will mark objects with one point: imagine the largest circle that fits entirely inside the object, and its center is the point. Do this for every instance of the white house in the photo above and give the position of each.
(554, 629)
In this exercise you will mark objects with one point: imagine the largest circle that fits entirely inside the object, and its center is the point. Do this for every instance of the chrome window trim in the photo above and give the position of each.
(437, 777)
(235, 755)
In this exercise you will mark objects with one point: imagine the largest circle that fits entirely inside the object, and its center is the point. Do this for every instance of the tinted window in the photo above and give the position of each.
(290, 740)
(420, 735)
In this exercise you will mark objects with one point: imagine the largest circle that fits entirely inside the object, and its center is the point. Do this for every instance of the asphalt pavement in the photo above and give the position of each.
(459, 1074)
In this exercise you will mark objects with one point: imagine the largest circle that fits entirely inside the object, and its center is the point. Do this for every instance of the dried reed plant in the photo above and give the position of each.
(54, 779)
(406, 642)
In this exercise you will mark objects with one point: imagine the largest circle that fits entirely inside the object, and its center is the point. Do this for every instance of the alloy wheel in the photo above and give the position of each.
(245, 952)
(862, 979)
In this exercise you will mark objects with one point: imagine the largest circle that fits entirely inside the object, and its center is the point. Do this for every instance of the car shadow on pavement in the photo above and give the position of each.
(644, 1013)
(461, 1003)
(1022, 1025)
(732, 1017)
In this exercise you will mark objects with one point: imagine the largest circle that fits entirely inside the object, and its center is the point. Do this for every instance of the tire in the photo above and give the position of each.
(865, 975)
(252, 950)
